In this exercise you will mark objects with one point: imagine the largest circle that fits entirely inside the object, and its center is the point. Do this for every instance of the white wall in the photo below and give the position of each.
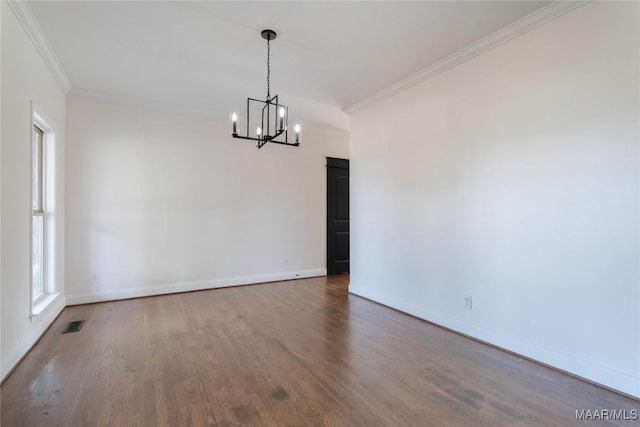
(513, 178)
(161, 202)
(1, 10)
(26, 81)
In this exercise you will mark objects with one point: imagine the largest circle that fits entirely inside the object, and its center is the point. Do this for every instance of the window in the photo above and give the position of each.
(43, 216)
(37, 213)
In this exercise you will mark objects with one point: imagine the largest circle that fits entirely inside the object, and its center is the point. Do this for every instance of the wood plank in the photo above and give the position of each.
(293, 353)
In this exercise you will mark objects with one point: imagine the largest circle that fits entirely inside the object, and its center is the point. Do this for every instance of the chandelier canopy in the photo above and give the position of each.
(273, 117)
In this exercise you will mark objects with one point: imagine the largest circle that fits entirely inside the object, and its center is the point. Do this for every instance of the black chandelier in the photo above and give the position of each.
(274, 116)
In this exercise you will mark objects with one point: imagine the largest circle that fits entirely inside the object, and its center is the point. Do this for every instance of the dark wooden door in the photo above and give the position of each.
(337, 215)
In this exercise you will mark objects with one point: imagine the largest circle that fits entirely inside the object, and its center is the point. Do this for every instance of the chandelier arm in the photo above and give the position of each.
(264, 141)
(290, 144)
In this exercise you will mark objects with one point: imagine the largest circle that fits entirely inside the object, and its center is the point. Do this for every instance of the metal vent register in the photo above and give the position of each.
(74, 326)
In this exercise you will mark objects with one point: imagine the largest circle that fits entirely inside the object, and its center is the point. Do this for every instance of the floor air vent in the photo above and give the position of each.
(74, 326)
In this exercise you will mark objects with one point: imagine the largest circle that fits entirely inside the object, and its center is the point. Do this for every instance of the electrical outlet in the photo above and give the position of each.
(468, 303)
(286, 261)
(94, 279)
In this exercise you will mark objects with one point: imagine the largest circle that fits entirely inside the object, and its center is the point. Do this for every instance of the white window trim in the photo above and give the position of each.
(42, 302)
(39, 304)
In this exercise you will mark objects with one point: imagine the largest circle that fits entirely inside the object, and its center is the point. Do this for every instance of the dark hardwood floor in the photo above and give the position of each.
(298, 353)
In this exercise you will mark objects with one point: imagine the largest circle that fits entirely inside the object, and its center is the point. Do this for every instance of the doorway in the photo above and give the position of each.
(337, 216)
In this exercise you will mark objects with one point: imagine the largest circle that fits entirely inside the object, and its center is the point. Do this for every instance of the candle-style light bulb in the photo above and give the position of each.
(297, 129)
(234, 120)
(281, 112)
(259, 132)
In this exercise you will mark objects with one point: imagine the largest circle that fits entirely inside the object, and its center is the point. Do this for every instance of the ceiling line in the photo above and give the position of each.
(521, 26)
(321, 129)
(146, 103)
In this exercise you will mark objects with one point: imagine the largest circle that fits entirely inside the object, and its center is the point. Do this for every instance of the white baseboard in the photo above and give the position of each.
(591, 371)
(110, 295)
(43, 320)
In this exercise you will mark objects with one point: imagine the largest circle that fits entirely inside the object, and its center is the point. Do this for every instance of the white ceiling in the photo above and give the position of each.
(209, 56)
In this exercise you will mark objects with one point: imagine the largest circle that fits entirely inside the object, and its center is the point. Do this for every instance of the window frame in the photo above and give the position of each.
(44, 208)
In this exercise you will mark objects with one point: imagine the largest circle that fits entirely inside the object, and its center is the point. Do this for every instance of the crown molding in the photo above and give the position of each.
(31, 26)
(521, 26)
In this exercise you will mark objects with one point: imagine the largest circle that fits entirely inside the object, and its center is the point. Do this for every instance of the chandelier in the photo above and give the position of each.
(273, 115)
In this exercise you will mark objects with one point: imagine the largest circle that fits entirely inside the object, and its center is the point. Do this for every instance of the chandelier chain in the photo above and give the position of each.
(268, 69)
